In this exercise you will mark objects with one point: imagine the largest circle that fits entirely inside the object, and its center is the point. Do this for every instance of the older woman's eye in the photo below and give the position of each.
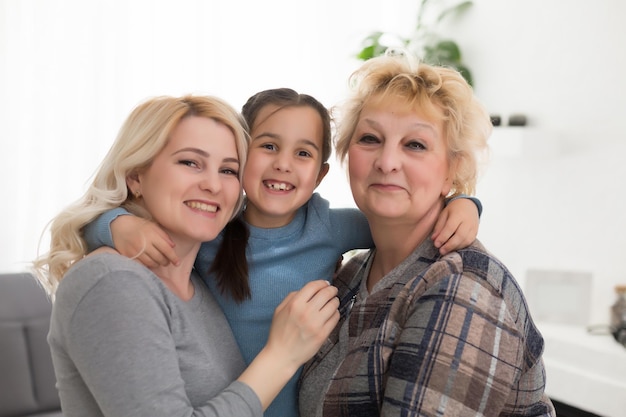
(368, 139)
(415, 145)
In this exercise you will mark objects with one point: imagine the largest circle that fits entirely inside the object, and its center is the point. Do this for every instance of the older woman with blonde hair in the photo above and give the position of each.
(128, 340)
(421, 333)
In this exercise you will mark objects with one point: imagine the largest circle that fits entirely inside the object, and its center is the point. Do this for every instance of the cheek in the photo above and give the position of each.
(358, 166)
(252, 171)
(234, 191)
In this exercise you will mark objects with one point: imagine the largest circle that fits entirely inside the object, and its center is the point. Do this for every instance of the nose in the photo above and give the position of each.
(388, 159)
(211, 182)
(282, 162)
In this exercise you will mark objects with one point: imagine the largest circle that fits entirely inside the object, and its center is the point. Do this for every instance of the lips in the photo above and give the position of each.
(278, 186)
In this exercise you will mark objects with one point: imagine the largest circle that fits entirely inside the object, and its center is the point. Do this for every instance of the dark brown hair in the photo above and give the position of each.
(230, 264)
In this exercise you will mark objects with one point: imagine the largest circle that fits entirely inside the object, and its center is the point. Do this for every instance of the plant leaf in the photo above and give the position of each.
(457, 9)
(444, 52)
(466, 73)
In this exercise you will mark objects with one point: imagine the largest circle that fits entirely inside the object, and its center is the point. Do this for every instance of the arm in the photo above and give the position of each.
(98, 232)
(301, 323)
(120, 341)
(457, 226)
(132, 236)
(458, 338)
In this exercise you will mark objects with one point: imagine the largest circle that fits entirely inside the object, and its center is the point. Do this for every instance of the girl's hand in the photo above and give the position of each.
(143, 241)
(457, 226)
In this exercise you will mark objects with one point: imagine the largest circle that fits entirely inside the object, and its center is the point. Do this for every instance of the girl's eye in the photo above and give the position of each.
(369, 139)
(189, 163)
(415, 145)
(269, 146)
(305, 154)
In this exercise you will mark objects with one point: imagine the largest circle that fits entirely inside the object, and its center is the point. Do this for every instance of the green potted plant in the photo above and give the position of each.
(425, 40)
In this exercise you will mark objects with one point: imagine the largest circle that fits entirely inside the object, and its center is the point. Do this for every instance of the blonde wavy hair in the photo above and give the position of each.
(143, 135)
(397, 78)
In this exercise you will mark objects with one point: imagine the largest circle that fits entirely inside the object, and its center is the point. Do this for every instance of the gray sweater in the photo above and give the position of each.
(124, 345)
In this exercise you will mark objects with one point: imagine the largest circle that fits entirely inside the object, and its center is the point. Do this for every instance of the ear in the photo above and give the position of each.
(133, 182)
(323, 171)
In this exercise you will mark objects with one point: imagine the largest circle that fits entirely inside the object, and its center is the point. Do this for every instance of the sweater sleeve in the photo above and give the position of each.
(475, 200)
(350, 229)
(121, 344)
(459, 352)
(98, 232)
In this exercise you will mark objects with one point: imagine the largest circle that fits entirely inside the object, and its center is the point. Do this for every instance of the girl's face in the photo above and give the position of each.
(191, 188)
(398, 163)
(284, 164)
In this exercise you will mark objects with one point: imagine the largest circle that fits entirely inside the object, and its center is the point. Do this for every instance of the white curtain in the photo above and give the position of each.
(70, 71)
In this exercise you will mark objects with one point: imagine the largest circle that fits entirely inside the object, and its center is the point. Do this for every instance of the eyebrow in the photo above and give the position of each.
(203, 154)
(428, 126)
(277, 137)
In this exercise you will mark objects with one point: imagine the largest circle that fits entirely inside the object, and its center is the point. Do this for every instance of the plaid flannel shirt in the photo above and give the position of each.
(438, 336)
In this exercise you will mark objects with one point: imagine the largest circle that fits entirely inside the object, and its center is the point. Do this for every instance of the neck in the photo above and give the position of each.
(256, 218)
(177, 278)
(395, 241)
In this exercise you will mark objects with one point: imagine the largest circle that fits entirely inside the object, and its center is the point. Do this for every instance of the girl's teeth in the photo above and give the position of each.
(280, 186)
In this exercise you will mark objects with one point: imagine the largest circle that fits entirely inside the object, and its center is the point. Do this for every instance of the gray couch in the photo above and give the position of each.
(26, 374)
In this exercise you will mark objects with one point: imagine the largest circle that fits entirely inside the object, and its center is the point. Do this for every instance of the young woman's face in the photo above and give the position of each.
(398, 163)
(191, 188)
(284, 164)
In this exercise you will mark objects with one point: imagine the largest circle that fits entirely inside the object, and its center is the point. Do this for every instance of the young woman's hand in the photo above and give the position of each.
(143, 241)
(457, 226)
(301, 323)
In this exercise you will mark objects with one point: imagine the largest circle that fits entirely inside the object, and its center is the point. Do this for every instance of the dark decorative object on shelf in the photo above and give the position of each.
(618, 315)
(425, 41)
(496, 120)
(517, 120)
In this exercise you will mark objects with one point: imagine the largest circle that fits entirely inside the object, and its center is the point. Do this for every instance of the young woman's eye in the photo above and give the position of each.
(189, 163)
(230, 171)
(368, 139)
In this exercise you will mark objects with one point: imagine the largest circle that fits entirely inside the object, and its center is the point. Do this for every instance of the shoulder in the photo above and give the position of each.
(474, 270)
(317, 204)
(477, 262)
(107, 273)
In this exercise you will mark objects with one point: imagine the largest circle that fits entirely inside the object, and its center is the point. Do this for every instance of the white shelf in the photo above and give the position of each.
(585, 370)
(523, 142)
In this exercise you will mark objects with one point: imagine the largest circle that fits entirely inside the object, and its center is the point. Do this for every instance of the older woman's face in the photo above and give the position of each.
(398, 163)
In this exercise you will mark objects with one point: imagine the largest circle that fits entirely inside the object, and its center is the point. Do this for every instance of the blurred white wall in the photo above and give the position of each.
(70, 71)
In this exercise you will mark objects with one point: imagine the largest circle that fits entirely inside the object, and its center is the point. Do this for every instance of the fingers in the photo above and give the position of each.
(457, 226)
(314, 298)
(442, 230)
(303, 321)
(143, 241)
(463, 236)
